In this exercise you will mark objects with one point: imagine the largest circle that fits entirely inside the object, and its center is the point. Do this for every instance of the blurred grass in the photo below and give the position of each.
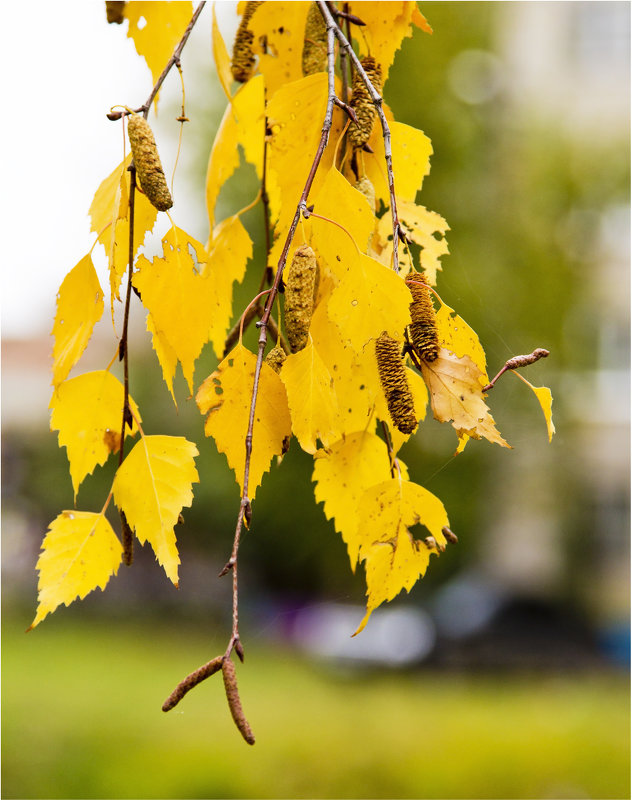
(82, 719)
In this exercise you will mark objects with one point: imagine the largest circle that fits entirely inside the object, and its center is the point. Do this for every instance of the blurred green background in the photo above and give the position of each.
(522, 690)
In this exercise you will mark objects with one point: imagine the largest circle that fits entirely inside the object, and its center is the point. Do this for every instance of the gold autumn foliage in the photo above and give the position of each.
(347, 376)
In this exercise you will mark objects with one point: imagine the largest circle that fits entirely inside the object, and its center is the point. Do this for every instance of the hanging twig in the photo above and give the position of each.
(516, 362)
(386, 131)
(127, 534)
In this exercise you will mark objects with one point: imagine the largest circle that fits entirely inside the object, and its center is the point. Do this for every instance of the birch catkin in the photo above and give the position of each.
(392, 372)
(115, 12)
(234, 702)
(362, 104)
(275, 358)
(191, 680)
(423, 328)
(315, 43)
(365, 186)
(299, 297)
(147, 162)
(243, 64)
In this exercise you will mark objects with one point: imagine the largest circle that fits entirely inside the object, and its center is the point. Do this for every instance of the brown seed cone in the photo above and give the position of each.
(115, 12)
(147, 162)
(234, 702)
(362, 104)
(368, 190)
(275, 358)
(191, 680)
(315, 42)
(392, 373)
(299, 297)
(243, 64)
(423, 328)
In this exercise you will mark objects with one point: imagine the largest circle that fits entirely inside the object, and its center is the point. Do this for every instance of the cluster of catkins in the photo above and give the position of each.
(423, 341)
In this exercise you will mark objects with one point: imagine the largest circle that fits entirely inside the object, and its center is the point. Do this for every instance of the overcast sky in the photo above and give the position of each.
(64, 68)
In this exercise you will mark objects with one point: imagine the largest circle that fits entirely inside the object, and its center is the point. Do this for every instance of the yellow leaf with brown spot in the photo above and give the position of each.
(79, 307)
(369, 299)
(456, 396)
(393, 559)
(421, 226)
(225, 396)
(283, 26)
(79, 553)
(151, 487)
(88, 413)
(311, 398)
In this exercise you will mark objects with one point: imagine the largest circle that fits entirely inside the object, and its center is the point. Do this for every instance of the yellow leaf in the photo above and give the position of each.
(369, 299)
(545, 399)
(79, 307)
(339, 201)
(393, 559)
(387, 25)
(456, 396)
(411, 150)
(351, 371)
(283, 26)
(88, 413)
(221, 57)
(458, 337)
(79, 553)
(178, 297)
(231, 249)
(243, 124)
(109, 201)
(294, 140)
(167, 357)
(226, 395)
(156, 29)
(151, 487)
(342, 474)
(116, 240)
(311, 398)
(420, 226)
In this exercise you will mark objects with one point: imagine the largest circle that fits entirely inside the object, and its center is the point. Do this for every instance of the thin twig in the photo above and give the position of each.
(245, 510)
(386, 131)
(126, 532)
(175, 59)
(516, 362)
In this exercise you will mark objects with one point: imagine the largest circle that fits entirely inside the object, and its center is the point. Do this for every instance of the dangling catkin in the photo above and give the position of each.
(362, 104)
(147, 162)
(275, 358)
(243, 64)
(115, 12)
(392, 373)
(299, 297)
(315, 43)
(234, 702)
(423, 328)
